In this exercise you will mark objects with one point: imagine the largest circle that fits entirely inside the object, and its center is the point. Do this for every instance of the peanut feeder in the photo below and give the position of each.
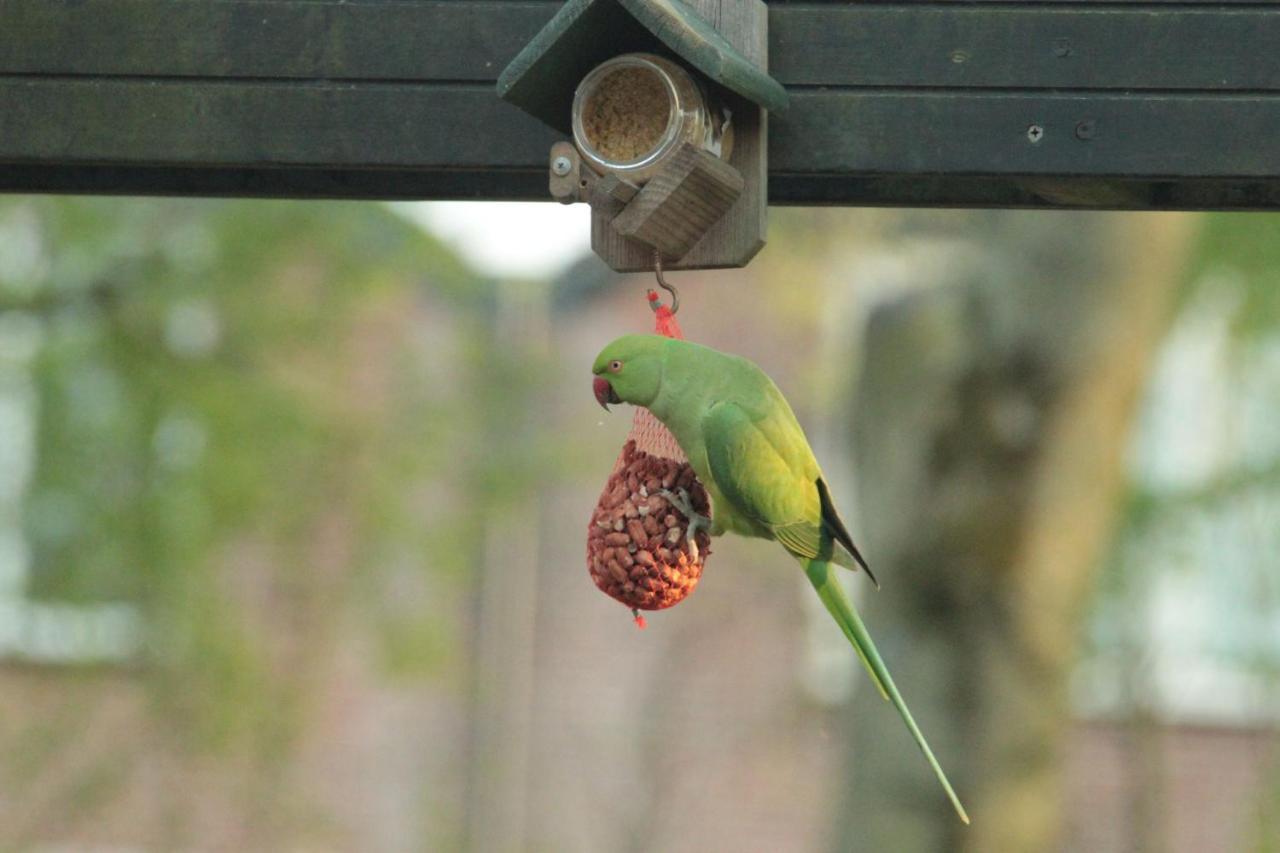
(639, 551)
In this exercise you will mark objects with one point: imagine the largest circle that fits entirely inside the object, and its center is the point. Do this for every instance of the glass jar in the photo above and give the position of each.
(632, 112)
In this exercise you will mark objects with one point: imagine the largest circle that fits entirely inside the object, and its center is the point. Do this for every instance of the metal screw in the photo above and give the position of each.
(1035, 133)
(1086, 129)
(561, 166)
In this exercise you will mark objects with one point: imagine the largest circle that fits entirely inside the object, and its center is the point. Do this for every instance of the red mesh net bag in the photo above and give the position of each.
(638, 549)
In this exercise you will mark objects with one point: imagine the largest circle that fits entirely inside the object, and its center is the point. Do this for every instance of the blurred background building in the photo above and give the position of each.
(293, 501)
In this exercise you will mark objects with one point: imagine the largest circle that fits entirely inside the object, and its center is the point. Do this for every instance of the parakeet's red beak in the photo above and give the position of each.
(604, 392)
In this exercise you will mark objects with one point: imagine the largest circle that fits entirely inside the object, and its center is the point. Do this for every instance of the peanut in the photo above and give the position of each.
(637, 546)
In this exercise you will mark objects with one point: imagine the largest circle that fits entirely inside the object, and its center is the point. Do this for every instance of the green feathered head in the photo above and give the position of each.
(629, 370)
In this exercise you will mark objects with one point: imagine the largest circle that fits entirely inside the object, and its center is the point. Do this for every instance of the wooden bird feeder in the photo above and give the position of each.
(668, 116)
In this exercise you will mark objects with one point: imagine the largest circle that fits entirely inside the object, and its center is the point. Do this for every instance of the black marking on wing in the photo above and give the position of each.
(836, 528)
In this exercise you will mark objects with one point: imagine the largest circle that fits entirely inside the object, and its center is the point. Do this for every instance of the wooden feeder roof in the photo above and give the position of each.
(542, 78)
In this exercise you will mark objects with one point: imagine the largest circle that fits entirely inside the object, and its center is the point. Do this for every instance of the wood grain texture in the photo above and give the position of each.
(426, 40)
(1182, 46)
(680, 203)
(895, 135)
(266, 124)
(972, 133)
(611, 192)
(379, 99)
(1055, 46)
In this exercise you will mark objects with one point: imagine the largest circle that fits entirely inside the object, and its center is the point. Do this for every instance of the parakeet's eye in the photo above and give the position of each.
(615, 366)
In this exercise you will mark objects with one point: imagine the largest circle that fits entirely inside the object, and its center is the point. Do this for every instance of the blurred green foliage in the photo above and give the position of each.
(1208, 514)
(1237, 261)
(1247, 244)
(234, 402)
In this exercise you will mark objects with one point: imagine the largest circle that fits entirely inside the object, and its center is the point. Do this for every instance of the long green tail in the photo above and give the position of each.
(832, 594)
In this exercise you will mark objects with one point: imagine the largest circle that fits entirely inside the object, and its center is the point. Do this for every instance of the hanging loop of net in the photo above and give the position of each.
(638, 549)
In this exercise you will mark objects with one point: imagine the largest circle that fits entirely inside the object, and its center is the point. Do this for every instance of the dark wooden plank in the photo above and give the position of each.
(349, 125)
(250, 123)
(378, 99)
(494, 185)
(1060, 45)
(1029, 3)
(264, 182)
(976, 133)
(298, 39)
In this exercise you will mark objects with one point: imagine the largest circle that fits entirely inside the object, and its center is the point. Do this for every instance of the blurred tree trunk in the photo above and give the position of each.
(991, 423)
(507, 484)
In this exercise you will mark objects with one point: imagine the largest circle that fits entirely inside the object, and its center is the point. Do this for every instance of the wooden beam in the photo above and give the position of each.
(1137, 105)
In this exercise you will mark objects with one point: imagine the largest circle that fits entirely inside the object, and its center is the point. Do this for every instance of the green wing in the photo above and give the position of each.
(764, 467)
(835, 526)
(763, 473)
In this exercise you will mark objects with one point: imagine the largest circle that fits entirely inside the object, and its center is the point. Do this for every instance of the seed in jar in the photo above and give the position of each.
(627, 114)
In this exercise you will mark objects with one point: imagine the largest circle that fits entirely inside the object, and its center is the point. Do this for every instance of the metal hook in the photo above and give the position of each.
(657, 271)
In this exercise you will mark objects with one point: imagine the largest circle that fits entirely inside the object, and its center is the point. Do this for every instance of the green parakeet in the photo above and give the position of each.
(750, 453)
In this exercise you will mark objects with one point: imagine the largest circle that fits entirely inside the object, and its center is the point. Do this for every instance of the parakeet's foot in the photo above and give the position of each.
(680, 500)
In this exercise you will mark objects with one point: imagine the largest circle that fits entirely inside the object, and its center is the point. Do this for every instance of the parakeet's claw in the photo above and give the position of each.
(680, 500)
